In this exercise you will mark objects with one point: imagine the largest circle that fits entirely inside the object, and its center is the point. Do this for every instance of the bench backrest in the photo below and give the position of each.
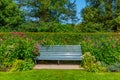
(60, 52)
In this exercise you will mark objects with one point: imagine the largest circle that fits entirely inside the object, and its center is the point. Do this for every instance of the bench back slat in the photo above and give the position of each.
(60, 53)
(61, 48)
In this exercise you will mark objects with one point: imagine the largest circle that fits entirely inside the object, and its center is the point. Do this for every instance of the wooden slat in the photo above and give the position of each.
(61, 48)
(60, 53)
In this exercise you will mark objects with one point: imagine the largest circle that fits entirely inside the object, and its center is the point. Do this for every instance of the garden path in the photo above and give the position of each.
(57, 66)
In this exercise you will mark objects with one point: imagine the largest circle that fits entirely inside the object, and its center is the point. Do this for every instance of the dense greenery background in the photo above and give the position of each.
(53, 16)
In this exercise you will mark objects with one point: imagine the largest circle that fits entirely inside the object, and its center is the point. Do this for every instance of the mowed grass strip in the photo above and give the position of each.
(58, 75)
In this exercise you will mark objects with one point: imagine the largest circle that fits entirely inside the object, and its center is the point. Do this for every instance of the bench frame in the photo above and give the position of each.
(47, 49)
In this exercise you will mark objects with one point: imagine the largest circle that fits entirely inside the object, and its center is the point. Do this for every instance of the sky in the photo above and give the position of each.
(80, 5)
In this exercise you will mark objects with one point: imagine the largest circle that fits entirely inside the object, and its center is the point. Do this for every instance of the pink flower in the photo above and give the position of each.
(19, 33)
(12, 33)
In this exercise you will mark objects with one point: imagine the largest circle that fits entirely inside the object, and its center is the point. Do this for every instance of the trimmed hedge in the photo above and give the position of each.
(104, 46)
(65, 38)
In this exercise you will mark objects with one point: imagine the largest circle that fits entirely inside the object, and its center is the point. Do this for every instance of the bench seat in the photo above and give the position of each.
(60, 52)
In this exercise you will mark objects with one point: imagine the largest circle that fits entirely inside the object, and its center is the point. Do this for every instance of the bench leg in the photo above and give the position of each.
(35, 62)
(58, 62)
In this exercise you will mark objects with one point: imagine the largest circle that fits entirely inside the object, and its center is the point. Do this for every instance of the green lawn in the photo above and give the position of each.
(58, 75)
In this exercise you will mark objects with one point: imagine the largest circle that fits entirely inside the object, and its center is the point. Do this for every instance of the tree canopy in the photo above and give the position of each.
(51, 10)
(103, 13)
(10, 15)
(39, 15)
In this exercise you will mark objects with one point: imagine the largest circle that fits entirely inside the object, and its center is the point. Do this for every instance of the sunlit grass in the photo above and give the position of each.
(58, 75)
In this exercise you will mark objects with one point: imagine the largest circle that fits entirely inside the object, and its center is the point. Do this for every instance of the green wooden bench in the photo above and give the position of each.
(60, 52)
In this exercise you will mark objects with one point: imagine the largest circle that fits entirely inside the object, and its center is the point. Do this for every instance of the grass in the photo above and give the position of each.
(58, 75)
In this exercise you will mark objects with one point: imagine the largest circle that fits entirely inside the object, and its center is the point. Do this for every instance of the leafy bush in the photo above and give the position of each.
(104, 49)
(22, 65)
(28, 27)
(55, 27)
(41, 27)
(17, 46)
(92, 27)
(91, 64)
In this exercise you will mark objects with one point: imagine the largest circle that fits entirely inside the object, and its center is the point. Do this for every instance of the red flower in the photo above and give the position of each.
(19, 33)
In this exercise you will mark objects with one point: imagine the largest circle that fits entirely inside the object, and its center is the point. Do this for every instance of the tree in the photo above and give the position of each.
(102, 12)
(116, 14)
(10, 15)
(50, 10)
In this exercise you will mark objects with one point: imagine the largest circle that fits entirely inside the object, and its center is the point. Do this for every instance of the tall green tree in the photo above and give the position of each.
(116, 13)
(51, 10)
(101, 12)
(10, 15)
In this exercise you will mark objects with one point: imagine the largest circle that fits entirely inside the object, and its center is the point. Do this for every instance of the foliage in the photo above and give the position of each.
(117, 22)
(16, 46)
(104, 49)
(10, 15)
(101, 12)
(90, 63)
(28, 27)
(92, 27)
(42, 27)
(50, 10)
(46, 27)
(22, 65)
(55, 27)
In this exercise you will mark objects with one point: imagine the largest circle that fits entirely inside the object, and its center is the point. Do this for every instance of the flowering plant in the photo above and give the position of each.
(19, 47)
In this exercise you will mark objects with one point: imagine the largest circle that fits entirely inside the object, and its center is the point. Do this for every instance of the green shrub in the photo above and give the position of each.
(41, 27)
(92, 27)
(105, 49)
(22, 65)
(17, 46)
(90, 63)
(55, 27)
(28, 27)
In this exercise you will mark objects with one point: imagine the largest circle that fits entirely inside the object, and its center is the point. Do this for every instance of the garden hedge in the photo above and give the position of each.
(63, 38)
(105, 46)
